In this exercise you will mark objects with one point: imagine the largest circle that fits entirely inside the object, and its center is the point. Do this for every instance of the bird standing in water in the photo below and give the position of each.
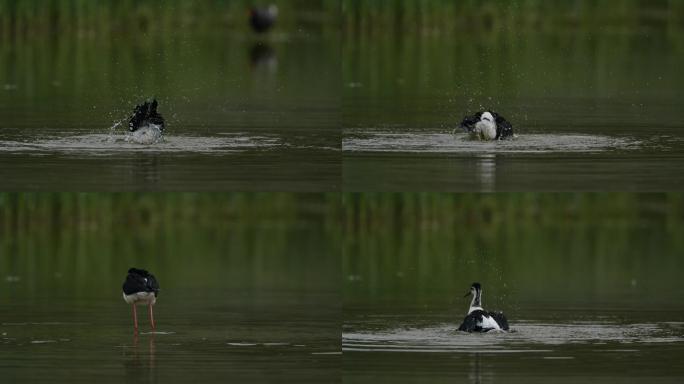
(262, 19)
(141, 288)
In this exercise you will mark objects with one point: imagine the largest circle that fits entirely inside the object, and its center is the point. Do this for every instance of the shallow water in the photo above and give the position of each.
(459, 143)
(526, 333)
(248, 288)
(108, 145)
(615, 346)
(258, 337)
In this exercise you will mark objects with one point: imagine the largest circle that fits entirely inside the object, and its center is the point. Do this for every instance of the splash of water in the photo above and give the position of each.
(426, 142)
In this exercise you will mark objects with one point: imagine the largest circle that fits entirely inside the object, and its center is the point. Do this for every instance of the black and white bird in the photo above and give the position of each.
(486, 125)
(262, 19)
(146, 125)
(141, 288)
(479, 320)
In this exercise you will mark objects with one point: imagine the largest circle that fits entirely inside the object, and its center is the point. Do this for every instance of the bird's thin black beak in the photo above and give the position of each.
(467, 294)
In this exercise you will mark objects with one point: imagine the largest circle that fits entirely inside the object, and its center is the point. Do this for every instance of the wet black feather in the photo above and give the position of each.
(139, 280)
(473, 319)
(504, 129)
(468, 123)
(145, 114)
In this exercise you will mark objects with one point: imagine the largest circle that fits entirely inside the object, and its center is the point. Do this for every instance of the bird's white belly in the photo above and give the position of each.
(486, 130)
(148, 134)
(488, 322)
(140, 298)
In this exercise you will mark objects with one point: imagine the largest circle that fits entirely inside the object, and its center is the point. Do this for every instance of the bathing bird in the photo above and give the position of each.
(479, 320)
(146, 125)
(486, 125)
(262, 19)
(141, 288)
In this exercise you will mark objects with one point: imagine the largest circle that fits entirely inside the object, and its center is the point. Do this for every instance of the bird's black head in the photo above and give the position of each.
(474, 289)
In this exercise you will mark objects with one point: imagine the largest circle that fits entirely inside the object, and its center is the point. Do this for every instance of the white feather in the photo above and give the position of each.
(486, 127)
(488, 322)
(140, 298)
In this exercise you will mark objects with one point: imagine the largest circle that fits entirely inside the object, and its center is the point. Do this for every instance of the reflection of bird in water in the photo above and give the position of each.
(136, 369)
(487, 125)
(146, 124)
(141, 288)
(475, 372)
(479, 320)
(487, 171)
(261, 55)
(262, 19)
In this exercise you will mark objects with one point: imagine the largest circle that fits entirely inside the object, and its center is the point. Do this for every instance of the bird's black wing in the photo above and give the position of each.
(144, 114)
(468, 123)
(152, 284)
(470, 322)
(154, 116)
(504, 129)
(134, 283)
(500, 319)
(139, 280)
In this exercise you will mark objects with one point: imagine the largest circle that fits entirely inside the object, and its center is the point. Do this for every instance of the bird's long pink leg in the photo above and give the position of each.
(135, 318)
(152, 318)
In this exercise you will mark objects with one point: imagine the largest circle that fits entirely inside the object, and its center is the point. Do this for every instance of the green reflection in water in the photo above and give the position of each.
(80, 245)
(405, 251)
(546, 80)
(245, 112)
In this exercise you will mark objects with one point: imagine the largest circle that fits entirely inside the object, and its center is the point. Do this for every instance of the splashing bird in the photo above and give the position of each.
(141, 288)
(262, 19)
(486, 125)
(479, 320)
(146, 125)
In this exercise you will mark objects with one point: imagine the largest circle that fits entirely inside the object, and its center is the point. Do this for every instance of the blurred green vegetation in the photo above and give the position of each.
(426, 63)
(435, 16)
(20, 17)
(80, 245)
(417, 249)
(66, 64)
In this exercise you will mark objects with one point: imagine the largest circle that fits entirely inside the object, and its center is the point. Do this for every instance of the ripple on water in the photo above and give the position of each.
(426, 142)
(524, 338)
(103, 144)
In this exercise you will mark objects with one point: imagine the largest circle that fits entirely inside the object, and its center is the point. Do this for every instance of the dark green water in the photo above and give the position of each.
(588, 282)
(594, 107)
(249, 288)
(243, 112)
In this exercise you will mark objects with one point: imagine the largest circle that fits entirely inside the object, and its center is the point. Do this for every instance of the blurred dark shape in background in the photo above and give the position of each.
(263, 57)
(262, 19)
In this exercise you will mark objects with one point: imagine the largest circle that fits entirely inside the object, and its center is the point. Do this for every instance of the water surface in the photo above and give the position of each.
(610, 345)
(585, 119)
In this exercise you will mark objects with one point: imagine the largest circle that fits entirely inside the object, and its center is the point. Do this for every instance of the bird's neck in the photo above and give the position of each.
(476, 302)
